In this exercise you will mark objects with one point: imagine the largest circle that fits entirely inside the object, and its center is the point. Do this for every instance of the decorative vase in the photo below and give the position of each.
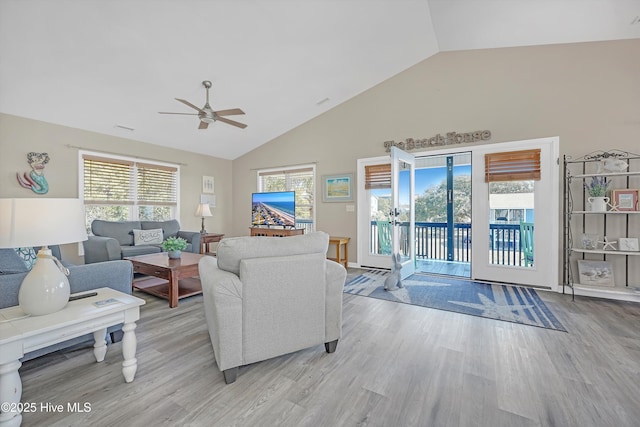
(174, 254)
(598, 204)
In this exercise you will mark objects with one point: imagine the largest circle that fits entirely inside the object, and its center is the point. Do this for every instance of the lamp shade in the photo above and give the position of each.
(203, 210)
(41, 222)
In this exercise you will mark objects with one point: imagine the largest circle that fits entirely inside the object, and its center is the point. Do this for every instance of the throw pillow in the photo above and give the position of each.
(147, 237)
(28, 256)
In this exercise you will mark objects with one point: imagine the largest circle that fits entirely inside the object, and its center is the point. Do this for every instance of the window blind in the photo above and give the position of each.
(512, 166)
(157, 185)
(108, 181)
(377, 176)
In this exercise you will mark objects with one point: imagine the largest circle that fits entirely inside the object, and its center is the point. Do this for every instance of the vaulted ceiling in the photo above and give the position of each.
(109, 66)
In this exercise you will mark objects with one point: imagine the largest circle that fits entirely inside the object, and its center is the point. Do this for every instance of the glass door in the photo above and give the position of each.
(516, 219)
(374, 208)
(403, 212)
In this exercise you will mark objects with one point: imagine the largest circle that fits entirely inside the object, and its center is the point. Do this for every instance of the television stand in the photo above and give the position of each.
(276, 232)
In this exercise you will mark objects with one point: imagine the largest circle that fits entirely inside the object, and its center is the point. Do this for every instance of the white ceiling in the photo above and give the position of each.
(95, 64)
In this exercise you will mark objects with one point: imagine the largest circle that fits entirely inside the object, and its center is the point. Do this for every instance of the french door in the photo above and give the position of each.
(501, 212)
(496, 217)
(403, 223)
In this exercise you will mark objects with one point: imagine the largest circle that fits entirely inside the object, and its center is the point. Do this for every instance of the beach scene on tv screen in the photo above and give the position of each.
(276, 208)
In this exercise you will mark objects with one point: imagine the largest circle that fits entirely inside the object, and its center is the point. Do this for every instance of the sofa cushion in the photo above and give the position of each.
(28, 256)
(170, 228)
(129, 251)
(122, 231)
(11, 263)
(147, 237)
(232, 250)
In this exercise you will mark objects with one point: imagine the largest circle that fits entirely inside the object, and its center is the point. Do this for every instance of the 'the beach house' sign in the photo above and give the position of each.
(450, 138)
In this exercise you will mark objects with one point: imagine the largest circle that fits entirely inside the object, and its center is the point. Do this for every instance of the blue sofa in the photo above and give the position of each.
(114, 274)
(114, 240)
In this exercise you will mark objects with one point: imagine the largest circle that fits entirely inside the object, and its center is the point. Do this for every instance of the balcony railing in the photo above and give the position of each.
(432, 242)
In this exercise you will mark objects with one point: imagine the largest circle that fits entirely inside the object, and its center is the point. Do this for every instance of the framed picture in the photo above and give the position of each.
(625, 200)
(209, 199)
(595, 273)
(629, 244)
(337, 188)
(207, 184)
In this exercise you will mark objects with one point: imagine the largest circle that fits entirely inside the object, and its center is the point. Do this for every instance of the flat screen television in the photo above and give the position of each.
(273, 209)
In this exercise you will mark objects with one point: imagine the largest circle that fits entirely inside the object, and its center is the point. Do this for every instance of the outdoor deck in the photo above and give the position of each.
(439, 251)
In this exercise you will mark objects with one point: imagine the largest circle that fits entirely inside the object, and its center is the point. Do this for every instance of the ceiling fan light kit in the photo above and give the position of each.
(207, 115)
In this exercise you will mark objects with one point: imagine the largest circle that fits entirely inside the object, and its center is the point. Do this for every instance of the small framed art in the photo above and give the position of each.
(629, 244)
(337, 188)
(625, 200)
(595, 273)
(207, 185)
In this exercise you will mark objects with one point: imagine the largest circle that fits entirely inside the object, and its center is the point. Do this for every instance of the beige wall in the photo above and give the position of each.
(587, 94)
(18, 136)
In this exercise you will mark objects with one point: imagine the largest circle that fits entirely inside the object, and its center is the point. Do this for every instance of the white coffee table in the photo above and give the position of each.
(20, 335)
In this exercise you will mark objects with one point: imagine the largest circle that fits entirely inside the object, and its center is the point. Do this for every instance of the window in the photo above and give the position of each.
(124, 189)
(300, 179)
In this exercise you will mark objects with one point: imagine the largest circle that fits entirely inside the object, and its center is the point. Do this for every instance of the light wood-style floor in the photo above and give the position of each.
(396, 365)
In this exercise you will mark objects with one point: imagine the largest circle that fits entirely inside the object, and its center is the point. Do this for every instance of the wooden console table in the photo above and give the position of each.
(276, 232)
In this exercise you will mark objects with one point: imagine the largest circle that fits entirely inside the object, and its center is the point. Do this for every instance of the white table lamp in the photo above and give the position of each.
(42, 222)
(204, 212)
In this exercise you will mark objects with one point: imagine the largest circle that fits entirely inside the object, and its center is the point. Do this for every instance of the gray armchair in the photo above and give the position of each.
(269, 296)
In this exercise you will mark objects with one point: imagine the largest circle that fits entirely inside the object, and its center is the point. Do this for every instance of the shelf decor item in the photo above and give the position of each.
(625, 199)
(597, 190)
(590, 241)
(595, 273)
(174, 246)
(629, 244)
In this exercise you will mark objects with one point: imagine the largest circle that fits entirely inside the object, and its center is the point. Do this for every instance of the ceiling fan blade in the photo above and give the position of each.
(203, 125)
(232, 122)
(188, 104)
(231, 112)
(184, 114)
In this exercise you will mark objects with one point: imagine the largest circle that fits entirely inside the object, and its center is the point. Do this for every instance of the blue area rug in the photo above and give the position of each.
(495, 301)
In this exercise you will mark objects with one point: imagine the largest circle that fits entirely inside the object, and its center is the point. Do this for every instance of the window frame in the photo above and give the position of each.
(292, 169)
(132, 207)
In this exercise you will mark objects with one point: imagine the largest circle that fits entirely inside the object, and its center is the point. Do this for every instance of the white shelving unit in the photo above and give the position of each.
(577, 220)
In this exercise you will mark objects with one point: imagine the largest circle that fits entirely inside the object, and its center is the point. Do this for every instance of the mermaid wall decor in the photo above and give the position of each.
(35, 179)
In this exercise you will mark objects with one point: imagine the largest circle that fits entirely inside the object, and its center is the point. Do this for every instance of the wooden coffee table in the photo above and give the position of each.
(173, 279)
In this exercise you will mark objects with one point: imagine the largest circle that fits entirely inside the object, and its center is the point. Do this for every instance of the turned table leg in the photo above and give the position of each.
(10, 394)
(100, 346)
(130, 363)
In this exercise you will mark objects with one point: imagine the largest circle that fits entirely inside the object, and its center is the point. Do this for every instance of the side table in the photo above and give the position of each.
(206, 239)
(20, 334)
(340, 242)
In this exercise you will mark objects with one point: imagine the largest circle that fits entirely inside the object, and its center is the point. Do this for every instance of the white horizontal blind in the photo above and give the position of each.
(108, 181)
(156, 185)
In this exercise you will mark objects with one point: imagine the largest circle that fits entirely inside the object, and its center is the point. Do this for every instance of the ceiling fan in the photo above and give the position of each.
(206, 113)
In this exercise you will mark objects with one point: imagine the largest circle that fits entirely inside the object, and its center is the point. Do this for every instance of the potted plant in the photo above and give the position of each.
(174, 246)
(597, 190)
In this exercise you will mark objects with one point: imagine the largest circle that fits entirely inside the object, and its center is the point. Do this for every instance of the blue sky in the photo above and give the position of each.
(425, 178)
(282, 196)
